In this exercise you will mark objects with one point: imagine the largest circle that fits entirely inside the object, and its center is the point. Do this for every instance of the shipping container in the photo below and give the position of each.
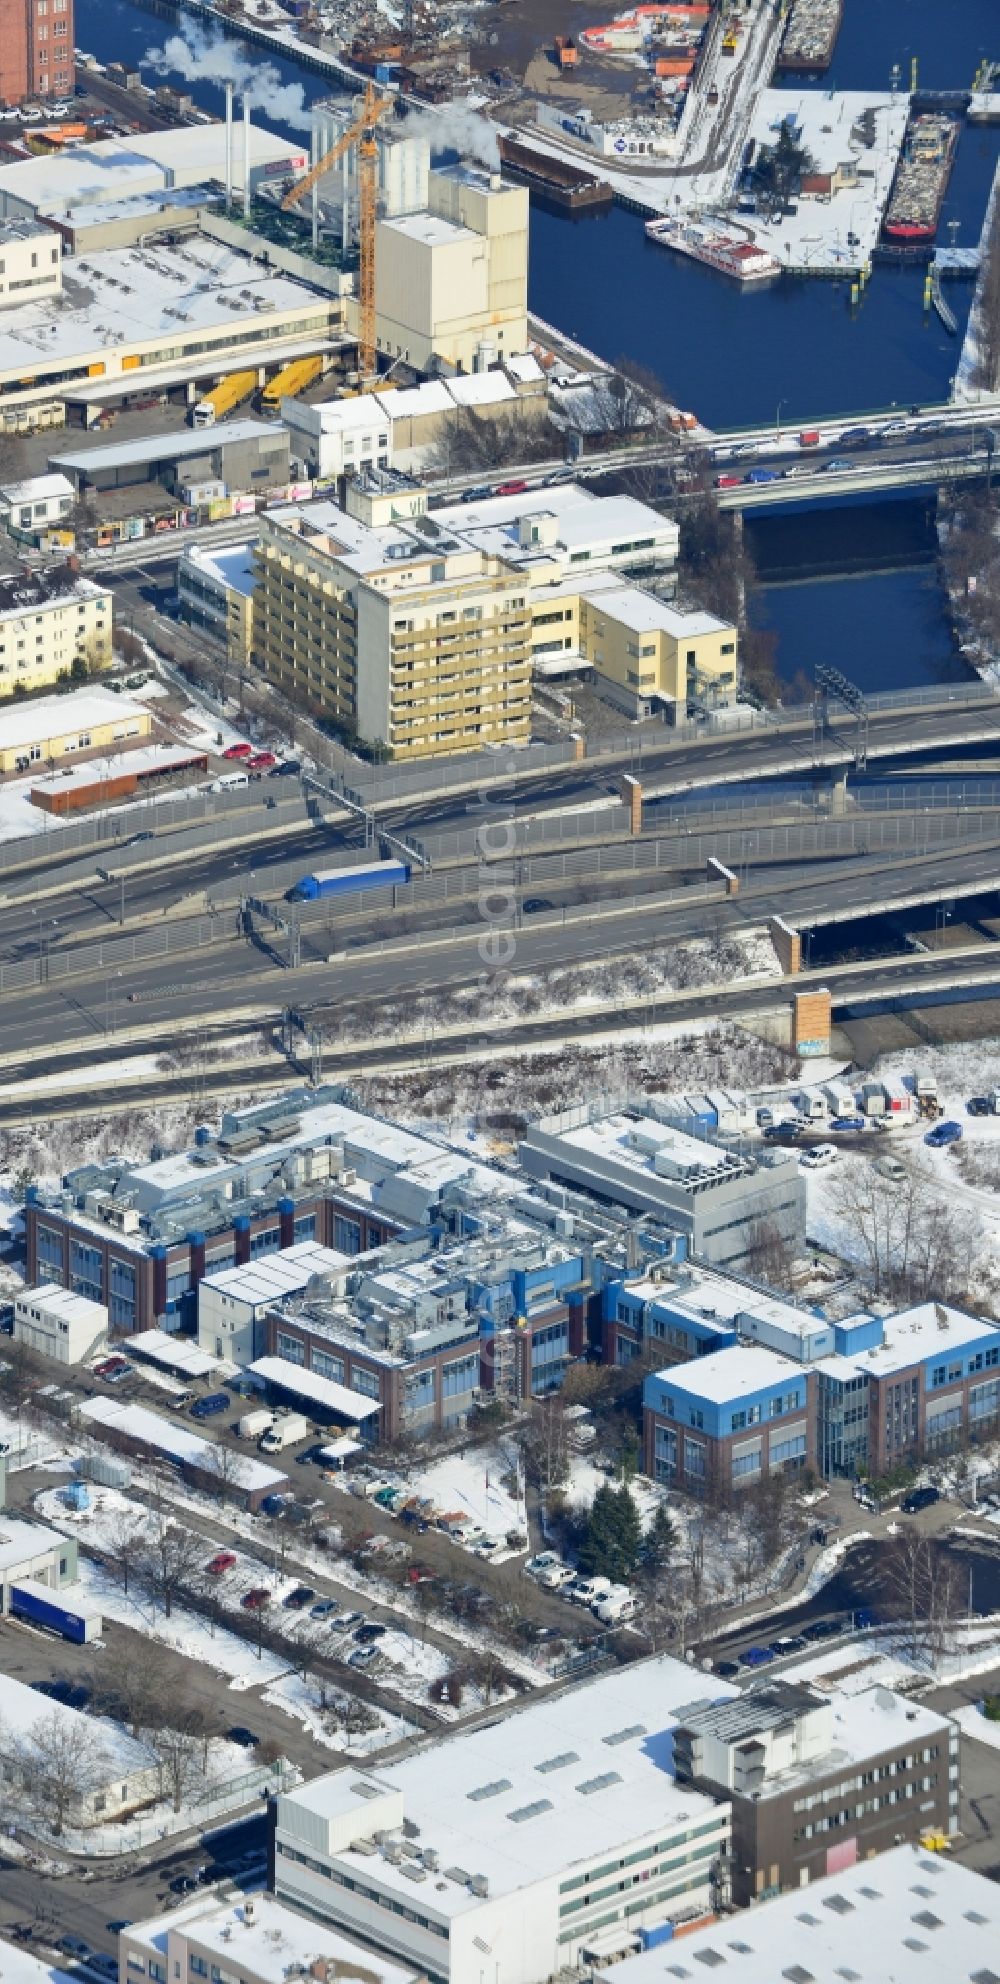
(106, 1472)
(871, 1099)
(840, 1098)
(68, 1612)
(809, 437)
(348, 881)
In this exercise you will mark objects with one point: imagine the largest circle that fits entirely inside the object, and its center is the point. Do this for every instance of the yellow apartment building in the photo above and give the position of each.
(48, 621)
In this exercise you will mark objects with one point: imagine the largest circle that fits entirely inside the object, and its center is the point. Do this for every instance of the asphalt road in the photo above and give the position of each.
(236, 977)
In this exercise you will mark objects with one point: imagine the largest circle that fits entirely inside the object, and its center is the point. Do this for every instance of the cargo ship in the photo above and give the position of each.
(921, 180)
(731, 254)
(810, 37)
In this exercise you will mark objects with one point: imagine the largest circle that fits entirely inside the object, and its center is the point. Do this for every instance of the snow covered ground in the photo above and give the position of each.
(131, 1068)
(477, 1485)
(961, 1070)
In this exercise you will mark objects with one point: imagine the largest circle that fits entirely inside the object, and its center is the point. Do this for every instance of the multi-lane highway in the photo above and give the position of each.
(237, 977)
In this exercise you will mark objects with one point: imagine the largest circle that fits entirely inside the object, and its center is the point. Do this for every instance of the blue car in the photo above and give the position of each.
(757, 1656)
(206, 1408)
(944, 1133)
(761, 475)
(848, 1123)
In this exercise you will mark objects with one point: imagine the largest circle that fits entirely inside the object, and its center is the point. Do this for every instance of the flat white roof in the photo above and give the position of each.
(96, 772)
(906, 1917)
(117, 298)
(570, 1778)
(733, 1373)
(276, 1275)
(61, 716)
(232, 567)
(163, 447)
(309, 1385)
(175, 1353)
(717, 1299)
(113, 167)
(334, 416)
(263, 1938)
(646, 614)
(22, 1543)
(172, 1438)
(56, 1301)
(612, 1137)
(18, 1967)
(411, 402)
(923, 1331)
(481, 389)
(524, 366)
(431, 229)
(37, 489)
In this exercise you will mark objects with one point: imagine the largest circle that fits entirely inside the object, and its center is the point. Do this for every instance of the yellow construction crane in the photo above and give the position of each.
(362, 134)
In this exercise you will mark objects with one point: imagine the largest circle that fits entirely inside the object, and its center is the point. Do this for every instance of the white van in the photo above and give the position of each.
(229, 781)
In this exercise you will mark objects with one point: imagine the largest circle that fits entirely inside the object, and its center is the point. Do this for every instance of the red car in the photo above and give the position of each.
(222, 1561)
(254, 1601)
(727, 482)
(109, 1364)
(238, 751)
(511, 488)
(261, 761)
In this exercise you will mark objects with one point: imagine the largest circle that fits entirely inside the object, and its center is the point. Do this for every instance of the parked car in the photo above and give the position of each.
(255, 1600)
(514, 488)
(978, 1105)
(350, 1619)
(756, 1656)
(365, 1635)
(890, 1167)
(208, 1408)
(822, 1629)
(74, 1946)
(943, 1134)
(183, 1884)
(261, 761)
(728, 1669)
(917, 1499)
(297, 1600)
(120, 1370)
(246, 1738)
(223, 1560)
(847, 1123)
(238, 751)
(324, 1608)
(362, 1656)
(478, 495)
(818, 1157)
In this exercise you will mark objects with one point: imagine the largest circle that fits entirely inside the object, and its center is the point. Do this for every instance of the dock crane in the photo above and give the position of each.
(362, 134)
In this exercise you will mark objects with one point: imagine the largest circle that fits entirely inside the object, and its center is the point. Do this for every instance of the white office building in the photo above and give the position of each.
(55, 1322)
(518, 1850)
(233, 1304)
(251, 1940)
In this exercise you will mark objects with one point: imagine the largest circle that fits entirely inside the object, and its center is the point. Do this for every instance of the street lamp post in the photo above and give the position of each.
(777, 419)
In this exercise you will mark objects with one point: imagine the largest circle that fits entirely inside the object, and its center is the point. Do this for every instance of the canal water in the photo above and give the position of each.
(787, 351)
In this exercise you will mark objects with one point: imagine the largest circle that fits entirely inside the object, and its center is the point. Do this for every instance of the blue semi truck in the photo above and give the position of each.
(348, 881)
(73, 1617)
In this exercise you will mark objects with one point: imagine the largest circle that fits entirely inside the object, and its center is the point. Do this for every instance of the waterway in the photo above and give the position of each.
(857, 587)
(786, 352)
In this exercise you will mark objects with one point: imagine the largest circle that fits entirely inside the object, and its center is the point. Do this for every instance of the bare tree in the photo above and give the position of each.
(171, 1561)
(224, 1468)
(915, 1242)
(925, 1587)
(182, 1750)
(125, 1685)
(126, 1541)
(51, 1769)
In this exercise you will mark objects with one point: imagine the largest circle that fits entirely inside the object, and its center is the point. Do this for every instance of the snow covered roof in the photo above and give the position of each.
(22, 1709)
(37, 489)
(52, 1299)
(176, 1353)
(263, 1940)
(524, 367)
(572, 1777)
(413, 402)
(274, 1276)
(309, 1385)
(907, 1914)
(23, 1543)
(60, 716)
(929, 1329)
(169, 1437)
(731, 1374)
(481, 389)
